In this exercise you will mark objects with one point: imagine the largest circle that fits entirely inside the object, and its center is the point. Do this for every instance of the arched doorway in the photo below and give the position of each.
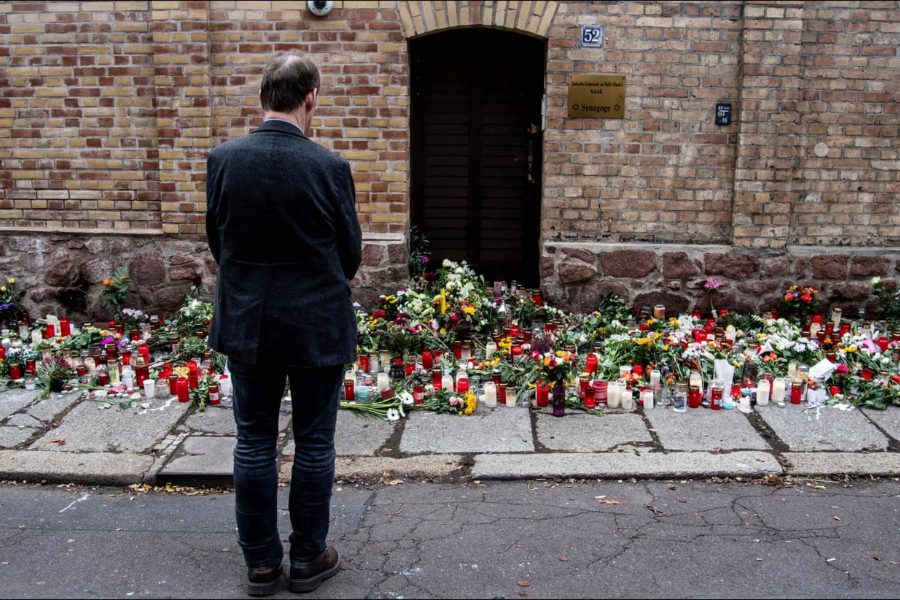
(476, 148)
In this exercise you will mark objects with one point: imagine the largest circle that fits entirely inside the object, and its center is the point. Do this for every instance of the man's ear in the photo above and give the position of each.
(311, 100)
(259, 95)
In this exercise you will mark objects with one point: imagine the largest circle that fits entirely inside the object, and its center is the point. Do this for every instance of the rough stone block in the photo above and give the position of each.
(499, 430)
(823, 429)
(571, 273)
(733, 266)
(587, 433)
(829, 266)
(869, 266)
(372, 255)
(705, 430)
(675, 304)
(678, 265)
(585, 298)
(147, 269)
(582, 255)
(628, 263)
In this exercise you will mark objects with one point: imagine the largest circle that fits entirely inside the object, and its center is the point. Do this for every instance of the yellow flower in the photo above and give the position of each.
(392, 299)
(666, 347)
(470, 310)
(443, 302)
(3, 289)
(443, 330)
(12, 280)
(736, 363)
(559, 354)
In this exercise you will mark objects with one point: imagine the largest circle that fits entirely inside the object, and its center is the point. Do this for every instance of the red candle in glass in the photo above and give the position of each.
(120, 330)
(514, 331)
(884, 343)
(15, 372)
(538, 299)
(173, 384)
(496, 377)
(31, 364)
(696, 314)
(584, 385)
(462, 386)
(102, 379)
(589, 400)
(543, 394)
(708, 329)
(126, 357)
(501, 394)
(50, 331)
(638, 370)
(695, 398)
(516, 353)
(817, 319)
(867, 374)
(717, 400)
(135, 335)
(111, 326)
(193, 381)
(845, 329)
(364, 363)
(2, 353)
(144, 350)
(601, 393)
(349, 391)
(591, 361)
(65, 328)
(182, 390)
(419, 394)
(410, 368)
(427, 359)
(457, 349)
(436, 380)
(797, 393)
(387, 393)
(822, 337)
(192, 366)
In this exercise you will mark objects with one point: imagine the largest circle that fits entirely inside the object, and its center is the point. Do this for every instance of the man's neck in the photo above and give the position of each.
(295, 118)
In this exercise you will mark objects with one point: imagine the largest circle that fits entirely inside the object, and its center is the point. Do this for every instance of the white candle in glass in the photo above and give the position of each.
(627, 400)
(778, 387)
(613, 395)
(150, 388)
(814, 329)
(745, 403)
(647, 398)
(384, 382)
(792, 369)
(447, 383)
(655, 377)
(490, 348)
(490, 395)
(763, 392)
(374, 363)
(36, 337)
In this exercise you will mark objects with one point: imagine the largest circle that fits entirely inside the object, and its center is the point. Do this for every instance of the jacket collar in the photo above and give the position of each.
(278, 126)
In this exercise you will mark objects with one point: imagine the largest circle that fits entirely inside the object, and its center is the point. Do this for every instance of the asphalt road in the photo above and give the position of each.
(494, 540)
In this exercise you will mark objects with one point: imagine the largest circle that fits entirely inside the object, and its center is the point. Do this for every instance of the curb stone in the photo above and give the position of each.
(89, 468)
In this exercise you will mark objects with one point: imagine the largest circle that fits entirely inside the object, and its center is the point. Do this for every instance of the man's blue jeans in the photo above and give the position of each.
(258, 392)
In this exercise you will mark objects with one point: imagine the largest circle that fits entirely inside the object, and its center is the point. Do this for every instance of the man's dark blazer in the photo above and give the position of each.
(281, 223)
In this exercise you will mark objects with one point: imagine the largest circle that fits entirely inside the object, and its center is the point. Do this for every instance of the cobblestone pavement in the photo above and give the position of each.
(526, 539)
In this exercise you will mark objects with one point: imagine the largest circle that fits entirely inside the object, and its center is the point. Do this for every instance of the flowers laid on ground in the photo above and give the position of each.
(441, 343)
(11, 308)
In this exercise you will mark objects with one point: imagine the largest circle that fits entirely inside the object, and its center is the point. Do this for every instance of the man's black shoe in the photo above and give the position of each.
(310, 578)
(263, 583)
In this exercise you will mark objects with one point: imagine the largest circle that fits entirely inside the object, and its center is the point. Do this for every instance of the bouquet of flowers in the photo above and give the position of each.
(115, 289)
(53, 373)
(801, 301)
(11, 302)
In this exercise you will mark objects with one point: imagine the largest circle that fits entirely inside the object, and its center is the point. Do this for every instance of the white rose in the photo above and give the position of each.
(447, 263)
(876, 280)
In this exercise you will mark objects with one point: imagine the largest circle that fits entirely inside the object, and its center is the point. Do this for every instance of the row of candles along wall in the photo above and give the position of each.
(111, 368)
(795, 389)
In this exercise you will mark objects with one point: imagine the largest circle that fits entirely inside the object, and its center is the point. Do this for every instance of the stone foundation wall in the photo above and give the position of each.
(576, 275)
(62, 272)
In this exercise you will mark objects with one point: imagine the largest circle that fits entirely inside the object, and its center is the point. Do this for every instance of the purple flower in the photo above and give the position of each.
(425, 259)
(712, 283)
(107, 341)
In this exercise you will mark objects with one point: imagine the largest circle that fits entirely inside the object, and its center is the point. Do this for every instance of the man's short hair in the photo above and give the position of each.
(287, 80)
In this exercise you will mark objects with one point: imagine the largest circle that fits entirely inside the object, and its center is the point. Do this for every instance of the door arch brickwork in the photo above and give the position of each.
(421, 17)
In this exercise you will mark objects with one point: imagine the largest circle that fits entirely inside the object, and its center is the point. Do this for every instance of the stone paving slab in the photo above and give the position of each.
(877, 464)
(47, 409)
(202, 455)
(650, 465)
(706, 430)
(24, 420)
(12, 401)
(10, 437)
(498, 430)
(368, 467)
(823, 429)
(888, 420)
(219, 420)
(88, 429)
(356, 435)
(588, 433)
(99, 468)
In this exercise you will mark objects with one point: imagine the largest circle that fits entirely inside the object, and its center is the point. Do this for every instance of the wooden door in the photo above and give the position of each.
(476, 149)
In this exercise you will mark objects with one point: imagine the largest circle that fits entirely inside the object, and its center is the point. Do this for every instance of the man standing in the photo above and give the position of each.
(282, 225)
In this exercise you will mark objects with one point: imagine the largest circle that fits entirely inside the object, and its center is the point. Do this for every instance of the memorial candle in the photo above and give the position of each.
(490, 395)
(447, 382)
(763, 392)
(183, 390)
(614, 395)
(542, 394)
(778, 389)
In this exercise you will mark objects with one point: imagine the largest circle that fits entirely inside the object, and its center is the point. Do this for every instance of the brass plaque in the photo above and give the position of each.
(597, 96)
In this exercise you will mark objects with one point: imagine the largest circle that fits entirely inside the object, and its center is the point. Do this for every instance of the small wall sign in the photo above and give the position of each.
(597, 96)
(723, 114)
(592, 35)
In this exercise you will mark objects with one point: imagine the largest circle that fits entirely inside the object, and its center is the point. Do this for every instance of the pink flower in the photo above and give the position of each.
(843, 369)
(454, 401)
(712, 283)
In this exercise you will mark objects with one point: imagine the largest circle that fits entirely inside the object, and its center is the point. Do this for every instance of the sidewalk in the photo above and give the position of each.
(71, 438)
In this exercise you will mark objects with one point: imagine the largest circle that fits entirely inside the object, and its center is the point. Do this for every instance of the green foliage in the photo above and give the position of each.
(614, 308)
(888, 300)
(11, 308)
(418, 253)
(115, 290)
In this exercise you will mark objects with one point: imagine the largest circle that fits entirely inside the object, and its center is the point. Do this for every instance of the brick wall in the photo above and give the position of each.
(107, 111)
